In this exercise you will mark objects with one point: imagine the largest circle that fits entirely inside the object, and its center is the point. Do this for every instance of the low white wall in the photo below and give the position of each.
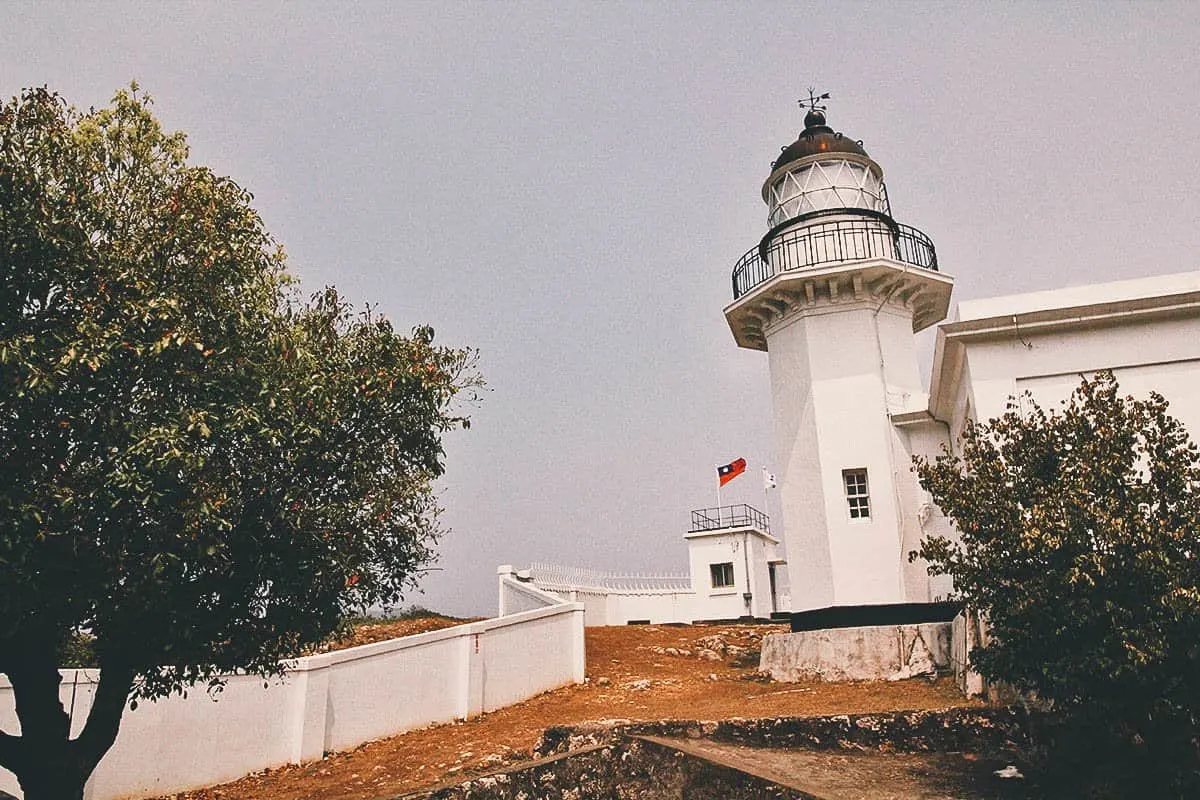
(876, 652)
(323, 703)
(595, 606)
(657, 607)
(618, 607)
(517, 595)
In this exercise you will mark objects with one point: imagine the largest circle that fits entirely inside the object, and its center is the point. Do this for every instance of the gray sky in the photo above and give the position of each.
(566, 187)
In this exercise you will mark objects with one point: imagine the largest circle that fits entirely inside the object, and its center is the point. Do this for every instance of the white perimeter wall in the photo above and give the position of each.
(324, 703)
(613, 607)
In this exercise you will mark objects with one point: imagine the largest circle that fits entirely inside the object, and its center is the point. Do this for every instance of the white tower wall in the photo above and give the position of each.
(833, 371)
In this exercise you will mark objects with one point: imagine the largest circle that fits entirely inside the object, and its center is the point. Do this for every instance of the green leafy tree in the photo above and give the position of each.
(1079, 539)
(201, 472)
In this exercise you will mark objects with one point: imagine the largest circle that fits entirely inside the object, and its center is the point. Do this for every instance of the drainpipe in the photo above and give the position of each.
(748, 596)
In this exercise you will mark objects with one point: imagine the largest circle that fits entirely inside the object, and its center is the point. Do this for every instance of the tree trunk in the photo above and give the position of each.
(44, 778)
(41, 756)
(48, 764)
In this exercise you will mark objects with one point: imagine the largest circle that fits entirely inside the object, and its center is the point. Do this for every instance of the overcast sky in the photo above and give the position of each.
(566, 187)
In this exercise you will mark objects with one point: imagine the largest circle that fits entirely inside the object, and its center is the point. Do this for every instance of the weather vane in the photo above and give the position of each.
(813, 103)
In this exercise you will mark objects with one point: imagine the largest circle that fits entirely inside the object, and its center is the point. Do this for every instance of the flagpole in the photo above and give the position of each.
(717, 469)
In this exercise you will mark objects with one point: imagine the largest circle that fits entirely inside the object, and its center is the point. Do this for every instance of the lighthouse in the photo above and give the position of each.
(834, 292)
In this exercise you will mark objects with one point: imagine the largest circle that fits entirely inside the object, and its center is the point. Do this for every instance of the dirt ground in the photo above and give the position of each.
(371, 632)
(636, 672)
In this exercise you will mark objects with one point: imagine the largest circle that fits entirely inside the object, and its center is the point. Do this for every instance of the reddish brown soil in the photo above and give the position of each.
(371, 632)
(620, 660)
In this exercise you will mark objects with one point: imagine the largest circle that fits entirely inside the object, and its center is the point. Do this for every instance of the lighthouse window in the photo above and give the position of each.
(722, 574)
(857, 496)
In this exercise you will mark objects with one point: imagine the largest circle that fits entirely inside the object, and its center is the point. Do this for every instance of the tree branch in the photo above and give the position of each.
(35, 679)
(104, 719)
(10, 751)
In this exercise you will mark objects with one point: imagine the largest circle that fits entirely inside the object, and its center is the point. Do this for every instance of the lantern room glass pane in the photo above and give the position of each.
(825, 185)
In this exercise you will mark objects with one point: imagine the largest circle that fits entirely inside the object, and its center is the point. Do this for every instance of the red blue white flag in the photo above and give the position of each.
(730, 471)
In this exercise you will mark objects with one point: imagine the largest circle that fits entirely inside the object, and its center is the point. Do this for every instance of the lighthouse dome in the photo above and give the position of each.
(823, 171)
(817, 138)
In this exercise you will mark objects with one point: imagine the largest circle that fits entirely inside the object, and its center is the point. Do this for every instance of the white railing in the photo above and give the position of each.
(560, 578)
(327, 702)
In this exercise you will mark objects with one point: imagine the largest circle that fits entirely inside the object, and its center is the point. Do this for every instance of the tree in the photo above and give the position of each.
(1079, 539)
(202, 472)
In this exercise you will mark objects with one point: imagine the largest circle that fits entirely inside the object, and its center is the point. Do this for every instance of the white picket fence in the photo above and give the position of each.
(326, 702)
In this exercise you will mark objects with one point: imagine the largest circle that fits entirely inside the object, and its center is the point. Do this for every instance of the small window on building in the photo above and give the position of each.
(857, 495)
(722, 574)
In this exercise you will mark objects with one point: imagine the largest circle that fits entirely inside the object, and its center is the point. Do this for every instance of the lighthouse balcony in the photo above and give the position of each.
(818, 244)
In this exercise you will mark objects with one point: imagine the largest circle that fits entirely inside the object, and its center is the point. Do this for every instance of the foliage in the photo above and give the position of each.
(416, 612)
(1079, 539)
(203, 472)
(76, 652)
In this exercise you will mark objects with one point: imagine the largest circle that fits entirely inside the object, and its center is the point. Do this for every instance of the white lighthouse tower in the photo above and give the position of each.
(833, 293)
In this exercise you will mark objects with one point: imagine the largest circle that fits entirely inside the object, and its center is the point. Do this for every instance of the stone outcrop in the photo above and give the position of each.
(639, 760)
(959, 729)
(631, 769)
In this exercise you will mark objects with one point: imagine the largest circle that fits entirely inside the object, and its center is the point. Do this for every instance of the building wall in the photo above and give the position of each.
(1156, 354)
(920, 517)
(723, 602)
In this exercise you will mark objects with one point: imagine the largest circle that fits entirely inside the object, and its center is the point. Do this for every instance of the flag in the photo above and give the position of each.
(769, 481)
(730, 471)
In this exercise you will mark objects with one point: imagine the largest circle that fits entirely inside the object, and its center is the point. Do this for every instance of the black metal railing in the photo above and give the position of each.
(829, 243)
(739, 516)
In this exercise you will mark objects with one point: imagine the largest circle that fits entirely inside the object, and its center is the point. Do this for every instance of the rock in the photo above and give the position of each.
(712, 676)
(640, 686)
(708, 655)
(1008, 772)
(603, 681)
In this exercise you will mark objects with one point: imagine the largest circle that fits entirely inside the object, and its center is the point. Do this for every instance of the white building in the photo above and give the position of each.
(834, 293)
(1147, 331)
(736, 572)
